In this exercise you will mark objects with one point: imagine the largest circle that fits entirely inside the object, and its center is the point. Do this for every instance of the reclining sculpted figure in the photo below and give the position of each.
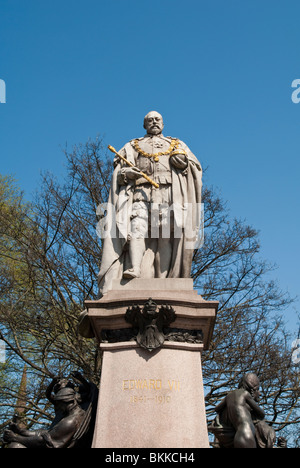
(72, 426)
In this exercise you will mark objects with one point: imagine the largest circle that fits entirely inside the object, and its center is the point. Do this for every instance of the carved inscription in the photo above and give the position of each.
(150, 390)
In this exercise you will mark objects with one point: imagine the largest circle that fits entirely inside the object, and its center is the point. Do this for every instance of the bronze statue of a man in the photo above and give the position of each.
(155, 228)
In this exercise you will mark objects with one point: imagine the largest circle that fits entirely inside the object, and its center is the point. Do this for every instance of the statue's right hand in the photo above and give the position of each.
(132, 173)
(9, 436)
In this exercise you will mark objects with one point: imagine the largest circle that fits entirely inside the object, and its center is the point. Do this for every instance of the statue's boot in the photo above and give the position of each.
(132, 273)
(136, 251)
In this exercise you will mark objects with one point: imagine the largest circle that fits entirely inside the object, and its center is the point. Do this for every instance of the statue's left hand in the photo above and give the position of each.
(179, 161)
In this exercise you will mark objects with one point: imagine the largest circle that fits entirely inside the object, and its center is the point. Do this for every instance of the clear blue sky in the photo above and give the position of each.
(220, 72)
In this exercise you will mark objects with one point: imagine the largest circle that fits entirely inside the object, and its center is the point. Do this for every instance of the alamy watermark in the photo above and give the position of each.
(141, 220)
(296, 94)
(2, 92)
(296, 351)
(2, 351)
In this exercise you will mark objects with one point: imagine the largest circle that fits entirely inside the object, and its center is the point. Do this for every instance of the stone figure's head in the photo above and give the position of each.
(250, 382)
(153, 123)
(150, 308)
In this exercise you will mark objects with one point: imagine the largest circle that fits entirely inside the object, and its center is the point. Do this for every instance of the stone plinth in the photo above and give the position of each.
(152, 399)
(192, 311)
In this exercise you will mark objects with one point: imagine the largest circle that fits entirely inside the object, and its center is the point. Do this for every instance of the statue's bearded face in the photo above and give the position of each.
(153, 123)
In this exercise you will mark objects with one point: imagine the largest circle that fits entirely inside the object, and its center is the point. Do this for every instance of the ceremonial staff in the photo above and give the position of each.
(112, 149)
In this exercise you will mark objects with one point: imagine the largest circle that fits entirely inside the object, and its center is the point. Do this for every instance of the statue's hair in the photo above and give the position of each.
(249, 381)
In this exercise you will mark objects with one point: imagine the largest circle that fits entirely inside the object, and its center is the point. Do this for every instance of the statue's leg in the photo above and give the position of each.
(165, 241)
(137, 249)
(138, 235)
(163, 257)
(16, 445)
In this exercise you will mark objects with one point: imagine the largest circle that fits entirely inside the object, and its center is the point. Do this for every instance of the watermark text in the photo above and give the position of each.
(142, 220)
(296, 351)
(296, 94)
(2, 351)
(2, 92)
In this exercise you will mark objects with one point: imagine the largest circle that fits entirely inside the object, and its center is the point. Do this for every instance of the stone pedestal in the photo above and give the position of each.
(152, 399)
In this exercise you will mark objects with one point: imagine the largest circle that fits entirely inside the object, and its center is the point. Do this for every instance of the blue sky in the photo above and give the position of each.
(220, 72)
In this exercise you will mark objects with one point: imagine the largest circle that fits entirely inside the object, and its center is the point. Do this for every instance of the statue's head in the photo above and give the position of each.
(149, 309)
(250, 382)
(65, 395)
(153, 123)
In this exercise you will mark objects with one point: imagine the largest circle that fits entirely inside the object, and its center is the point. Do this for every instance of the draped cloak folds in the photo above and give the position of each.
(115, 227)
